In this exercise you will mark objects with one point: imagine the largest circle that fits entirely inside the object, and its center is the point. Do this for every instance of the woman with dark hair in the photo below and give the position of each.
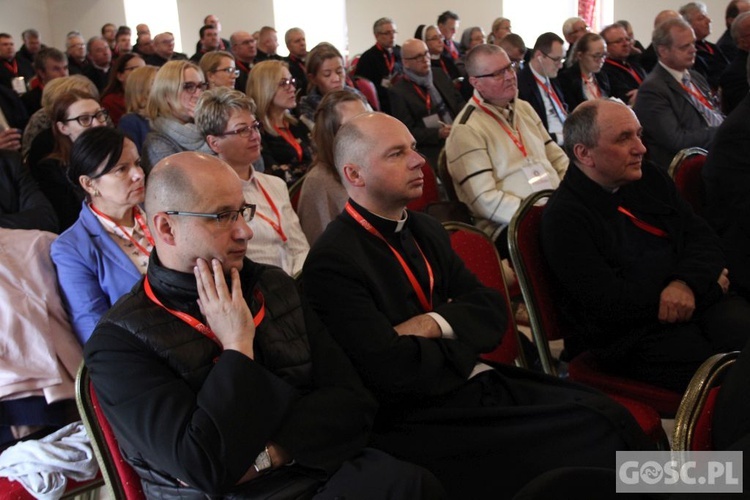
(106, 251)
(113, 96)
(323, 195)
(71, 113)
(584, 79)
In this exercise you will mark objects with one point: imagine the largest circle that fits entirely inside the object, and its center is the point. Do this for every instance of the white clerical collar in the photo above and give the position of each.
(399, 223)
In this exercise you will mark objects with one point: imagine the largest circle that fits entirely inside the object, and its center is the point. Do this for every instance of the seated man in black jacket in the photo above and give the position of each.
(644, 279)
(216, 377)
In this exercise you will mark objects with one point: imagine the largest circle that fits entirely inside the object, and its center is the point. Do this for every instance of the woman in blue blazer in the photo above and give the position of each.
(102, 255)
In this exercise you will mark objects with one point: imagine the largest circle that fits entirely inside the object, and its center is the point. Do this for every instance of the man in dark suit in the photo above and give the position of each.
(223, 42)
(295, 42)
(381, 62)
(674, 103)
(164, 50)
(209, 41)
(413, 320)
(625, 76)
(710, 61)
(733, 82)
(726, 43)
(245, 50)
(425, 101)
(15, 72)
(537, 84)
(100, 58)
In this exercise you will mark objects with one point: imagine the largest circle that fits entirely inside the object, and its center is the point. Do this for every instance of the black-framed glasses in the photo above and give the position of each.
(288, 82)
(556, 60)
(245, 130)
(87, 119)
(225, 218)
(417, 57)
(192, 87)
(502, 72)
(229, 71)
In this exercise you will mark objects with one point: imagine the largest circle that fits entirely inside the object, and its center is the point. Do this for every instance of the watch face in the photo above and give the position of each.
(262, 461)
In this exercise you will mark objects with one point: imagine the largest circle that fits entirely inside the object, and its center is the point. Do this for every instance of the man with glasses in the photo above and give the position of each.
(75, 48)
(164, 51)
(573, 29)
(675, 104)
(226, 118)
(216, 377)
(245, 50)
(425, 101)
(498, 151)
(382, 62)
(538, 85)
(710, 61)
(625, 76)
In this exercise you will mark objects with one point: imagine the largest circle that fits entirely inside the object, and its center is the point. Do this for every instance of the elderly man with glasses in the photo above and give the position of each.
(382, 62)
(499, 151)
(625, 75)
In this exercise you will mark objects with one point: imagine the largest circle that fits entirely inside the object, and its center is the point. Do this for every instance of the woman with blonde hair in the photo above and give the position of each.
(286, 141)
(323, 195)
(137, 88)
(219, 68)
(171, 107)
(584, 79)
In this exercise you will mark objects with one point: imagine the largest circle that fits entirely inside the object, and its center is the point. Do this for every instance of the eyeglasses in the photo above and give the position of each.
(192, 87)
(502, 72)
(223, 219)
(77, 46)
(618, 41)
(287, 82)
(87, 119)
(245, 130)
(578, 30)
(249, 41)
(556, 60)
(229, 71)
(387, 33)
(423, 55)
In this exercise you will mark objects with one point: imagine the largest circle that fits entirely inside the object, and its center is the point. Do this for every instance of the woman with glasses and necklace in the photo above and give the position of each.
(584, 79)
(219, 68)
(226, 118)
(171, 107)
(71, 114)
(285, 139)
(106, 251)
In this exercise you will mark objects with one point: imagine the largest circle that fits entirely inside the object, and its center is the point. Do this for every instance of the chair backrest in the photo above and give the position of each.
(430, 193)
(685, 170)
(693, 423)
(295, 190)
(370, 92)
(122, 481)
(480, 256)
(445, 176)
(535, 276)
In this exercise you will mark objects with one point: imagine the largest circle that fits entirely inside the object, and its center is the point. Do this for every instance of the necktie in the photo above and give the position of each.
(701, 103)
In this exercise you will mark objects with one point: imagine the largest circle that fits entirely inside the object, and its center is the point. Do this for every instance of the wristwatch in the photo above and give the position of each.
(263, 461)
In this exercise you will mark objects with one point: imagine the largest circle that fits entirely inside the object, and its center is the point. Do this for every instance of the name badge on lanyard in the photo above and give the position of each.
(19, 85)
(537, 176)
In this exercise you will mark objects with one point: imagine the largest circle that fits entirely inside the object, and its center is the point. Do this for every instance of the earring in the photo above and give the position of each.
(96, 193)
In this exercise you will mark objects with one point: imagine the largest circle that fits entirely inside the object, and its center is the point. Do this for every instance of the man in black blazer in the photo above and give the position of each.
(425, 101)
(625, 76)
(710, 61)
(674, 103)
(733, 82)
(381, 62)
(537, 84)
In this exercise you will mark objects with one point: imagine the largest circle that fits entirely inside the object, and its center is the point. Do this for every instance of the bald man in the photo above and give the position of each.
(414, 320)
(649, 59)
(425, 101)
(216, 377)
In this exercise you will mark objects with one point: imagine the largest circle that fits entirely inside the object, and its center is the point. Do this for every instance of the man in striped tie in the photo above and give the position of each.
(675, 105)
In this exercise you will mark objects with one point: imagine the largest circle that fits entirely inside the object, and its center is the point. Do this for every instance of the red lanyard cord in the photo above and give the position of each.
(139, 220)
(629, 69)
(287, 135)
(276, 225)
(643, 224)
(518, 141)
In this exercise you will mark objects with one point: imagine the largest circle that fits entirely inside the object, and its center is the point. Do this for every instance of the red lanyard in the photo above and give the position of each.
(445, 68)
(242, 66)
(287, 135)
(424, 95)
(690, 89)
(299, 63)
(551, 94)
(390, 58)
(13, 68)
(592, 85)
(276, 225)
(190, 320)
(451, 48)
(423, 300)
(629, 69)
(643, 224)
(518, 141)
(702, 45)
(138, 219)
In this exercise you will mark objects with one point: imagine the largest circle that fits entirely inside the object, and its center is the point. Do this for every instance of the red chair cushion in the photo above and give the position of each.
(645, 415)
(689, 182)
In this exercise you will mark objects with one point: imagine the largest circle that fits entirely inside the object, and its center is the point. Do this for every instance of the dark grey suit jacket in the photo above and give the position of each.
(669, 119)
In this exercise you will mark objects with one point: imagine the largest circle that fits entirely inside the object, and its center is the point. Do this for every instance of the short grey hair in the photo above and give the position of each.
(689, 10)
(480, 50)
(380, 22)
(581, 128)
(567, 27)
(662, 36)
(215, 108)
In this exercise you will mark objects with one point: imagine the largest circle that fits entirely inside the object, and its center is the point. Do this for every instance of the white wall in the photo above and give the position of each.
(19, 15)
